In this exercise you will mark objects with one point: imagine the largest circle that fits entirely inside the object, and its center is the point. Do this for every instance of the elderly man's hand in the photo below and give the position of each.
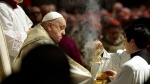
(98, 44)
(110, 74)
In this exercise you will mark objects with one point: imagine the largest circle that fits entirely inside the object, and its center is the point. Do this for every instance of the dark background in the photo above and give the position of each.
(69, 5)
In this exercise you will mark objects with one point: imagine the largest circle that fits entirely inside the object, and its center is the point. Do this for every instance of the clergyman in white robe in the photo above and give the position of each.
(135, 71)
(15, 23)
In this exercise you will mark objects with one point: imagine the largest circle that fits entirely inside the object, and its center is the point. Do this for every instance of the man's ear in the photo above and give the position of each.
(50, 24)
(132, 42)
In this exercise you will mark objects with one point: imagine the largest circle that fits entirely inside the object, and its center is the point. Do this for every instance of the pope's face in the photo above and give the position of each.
(57, 30)
(18, 1)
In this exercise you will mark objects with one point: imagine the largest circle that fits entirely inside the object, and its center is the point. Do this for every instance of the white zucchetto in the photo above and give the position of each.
(51, 16)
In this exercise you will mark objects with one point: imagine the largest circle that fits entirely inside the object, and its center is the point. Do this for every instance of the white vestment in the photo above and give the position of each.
(134, 71)
(15, 23)
(117, 60)
(5, 67)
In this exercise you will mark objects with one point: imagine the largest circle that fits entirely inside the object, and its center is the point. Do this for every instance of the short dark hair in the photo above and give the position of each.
(139, 33)
(143, 20)
(45, 64)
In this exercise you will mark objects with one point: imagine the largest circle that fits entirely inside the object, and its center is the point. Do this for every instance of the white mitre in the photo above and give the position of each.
(51, 16)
